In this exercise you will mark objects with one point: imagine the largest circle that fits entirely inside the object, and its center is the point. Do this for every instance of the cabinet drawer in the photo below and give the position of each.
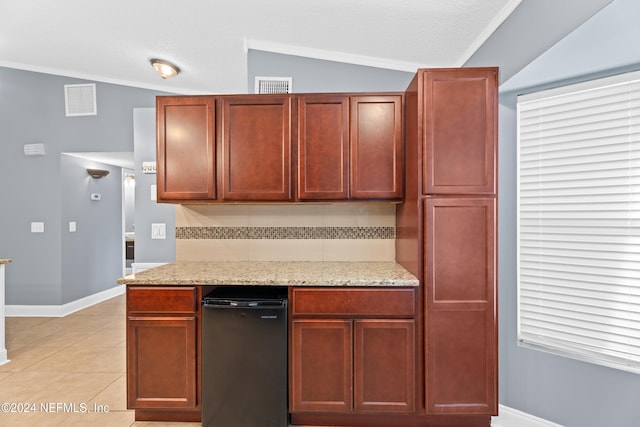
(162, 299)
(353, 302)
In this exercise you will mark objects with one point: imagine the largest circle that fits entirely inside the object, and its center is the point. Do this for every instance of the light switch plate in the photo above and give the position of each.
(37, 227)
(159, 231)
(72, 227)
(154, 193)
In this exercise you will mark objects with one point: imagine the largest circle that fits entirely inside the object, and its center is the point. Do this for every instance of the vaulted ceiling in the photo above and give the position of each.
(113, 40)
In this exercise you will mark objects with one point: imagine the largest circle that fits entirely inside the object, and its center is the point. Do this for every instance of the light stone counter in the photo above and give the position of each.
(3, 348)
(276, 273)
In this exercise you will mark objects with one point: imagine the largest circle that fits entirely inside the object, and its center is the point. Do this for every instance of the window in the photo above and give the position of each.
(579, 221)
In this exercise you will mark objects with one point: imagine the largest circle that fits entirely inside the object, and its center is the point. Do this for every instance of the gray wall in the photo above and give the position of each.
(147, 211)
(531, 30)
(92, 256)
(569, 392)
(35, 189)
(32, 111)
(314, 75)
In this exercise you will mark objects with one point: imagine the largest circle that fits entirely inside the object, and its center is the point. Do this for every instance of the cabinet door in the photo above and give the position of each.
(321, 366)
(384, 366)
(376, 147)
(460, 322)
(186, 157)
(323, 147)
(460, 131)
(256, 144)
(161, 362)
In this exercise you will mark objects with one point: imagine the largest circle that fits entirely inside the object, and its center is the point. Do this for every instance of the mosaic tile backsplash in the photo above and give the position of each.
(285, 233)
(297, 232)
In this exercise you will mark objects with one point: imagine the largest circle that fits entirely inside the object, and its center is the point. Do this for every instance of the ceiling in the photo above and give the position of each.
(112, 41)
(120, 159)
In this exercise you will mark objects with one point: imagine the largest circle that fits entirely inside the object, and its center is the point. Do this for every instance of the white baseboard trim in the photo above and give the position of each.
(64, 309)
(509, 417)
(138, 267)
(3, 357)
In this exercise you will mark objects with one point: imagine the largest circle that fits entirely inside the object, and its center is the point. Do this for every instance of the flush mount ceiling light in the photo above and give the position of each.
(97, 173)
(165, 68)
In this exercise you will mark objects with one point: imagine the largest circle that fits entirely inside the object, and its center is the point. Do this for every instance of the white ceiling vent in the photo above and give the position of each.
(80, 100)
(274, 85)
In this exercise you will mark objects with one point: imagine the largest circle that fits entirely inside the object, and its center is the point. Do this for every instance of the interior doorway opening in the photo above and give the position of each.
(128, 219)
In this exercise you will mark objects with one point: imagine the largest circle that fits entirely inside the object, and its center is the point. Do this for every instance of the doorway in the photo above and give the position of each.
(124, 160)
(128, 218)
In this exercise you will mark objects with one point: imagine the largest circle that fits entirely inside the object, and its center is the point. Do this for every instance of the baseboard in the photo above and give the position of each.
(64, 309)
(3, 357)
(138, 267)
(509, 417)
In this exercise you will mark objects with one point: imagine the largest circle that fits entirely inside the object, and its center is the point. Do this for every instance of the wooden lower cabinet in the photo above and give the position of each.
(354, 358)
(321, 365)
(384, 365)
(163, 373)
(163, 376)
(363, 365)
(357, 362)
(461, 316)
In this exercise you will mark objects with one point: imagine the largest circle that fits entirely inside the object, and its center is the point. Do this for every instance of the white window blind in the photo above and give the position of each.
(579, 221)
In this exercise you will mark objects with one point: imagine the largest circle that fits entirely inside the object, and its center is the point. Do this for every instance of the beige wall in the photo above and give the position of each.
(338, 232)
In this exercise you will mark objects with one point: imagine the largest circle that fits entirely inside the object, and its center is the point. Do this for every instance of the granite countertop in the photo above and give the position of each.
(4, 261)
(276, 273)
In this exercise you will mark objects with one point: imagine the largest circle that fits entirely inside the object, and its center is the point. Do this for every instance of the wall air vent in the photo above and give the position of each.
(80, 100)
(274, 85)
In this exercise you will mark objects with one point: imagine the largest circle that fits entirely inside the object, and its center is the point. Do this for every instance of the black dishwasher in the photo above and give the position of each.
(244, 357)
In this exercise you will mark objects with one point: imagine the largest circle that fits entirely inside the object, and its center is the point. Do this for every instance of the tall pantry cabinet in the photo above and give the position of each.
(446, 234)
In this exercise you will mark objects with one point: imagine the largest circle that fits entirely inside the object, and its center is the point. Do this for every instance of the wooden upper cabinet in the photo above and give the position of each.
(256, 148)
(323, 147)
(350, 147)
(186, 156)
(347, 147)
(376, 147)
(460, 110)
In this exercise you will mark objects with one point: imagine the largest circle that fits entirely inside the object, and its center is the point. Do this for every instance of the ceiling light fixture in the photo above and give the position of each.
(164, 68)
(97, 173)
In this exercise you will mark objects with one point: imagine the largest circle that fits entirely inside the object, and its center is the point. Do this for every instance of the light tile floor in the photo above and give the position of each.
(68, 371)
